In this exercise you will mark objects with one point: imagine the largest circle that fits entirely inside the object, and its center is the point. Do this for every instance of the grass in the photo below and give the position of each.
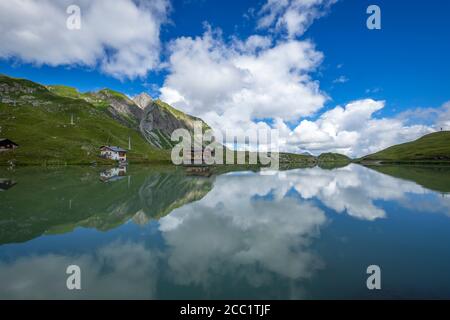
(39, 121)
(115, 94)
(179, 114)
(297, 158)
(431, 148)
(436, 178)
(333, 157)
(65, 91)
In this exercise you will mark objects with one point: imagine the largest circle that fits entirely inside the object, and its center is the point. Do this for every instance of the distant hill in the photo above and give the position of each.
(432, 177)
(433, 147)
(333, 157)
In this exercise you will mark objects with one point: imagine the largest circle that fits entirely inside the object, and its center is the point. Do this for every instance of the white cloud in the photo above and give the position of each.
(230, 85)
(121, 38)
(443, 120)
(43, 276)
(354, 130)
(293, 16)
(373, 90)
(341, 79)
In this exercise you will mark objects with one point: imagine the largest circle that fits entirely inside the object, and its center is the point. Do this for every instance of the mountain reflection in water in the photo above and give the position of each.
(302, 233)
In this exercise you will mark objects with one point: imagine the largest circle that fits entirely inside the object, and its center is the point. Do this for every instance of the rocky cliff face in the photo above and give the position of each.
(155, 120)
(121, 108)
(143, 100)
(160, 120)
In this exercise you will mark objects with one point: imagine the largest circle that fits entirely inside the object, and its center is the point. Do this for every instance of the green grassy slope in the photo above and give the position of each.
(115, 94)
(434, 147)
(334, 157)
(179, 114)
(436, 178)
(65, 91)
(40, 122)
(73, 93)
(297, 158)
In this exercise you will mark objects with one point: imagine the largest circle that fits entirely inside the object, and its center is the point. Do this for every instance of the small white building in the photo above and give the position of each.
(113, 153)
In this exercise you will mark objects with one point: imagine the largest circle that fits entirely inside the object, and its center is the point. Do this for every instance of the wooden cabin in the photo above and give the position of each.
(6, 145)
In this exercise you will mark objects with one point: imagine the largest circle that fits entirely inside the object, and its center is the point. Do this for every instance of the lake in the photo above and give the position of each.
(160, 233)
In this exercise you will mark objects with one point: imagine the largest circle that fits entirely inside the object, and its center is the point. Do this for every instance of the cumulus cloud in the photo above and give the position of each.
(122, 39)
(354, 130)
(254, 84)
(238, 85)
(232, 84)
(437, 118)
(43, 276)
(292, 16)
(443, 121)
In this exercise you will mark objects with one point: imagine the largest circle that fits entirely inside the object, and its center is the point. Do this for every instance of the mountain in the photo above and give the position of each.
(160, 120)
(120, 107)
(58, 125)
(287, 158)
(142, 100)
(156, 120)
(431, 148)
(333, 157)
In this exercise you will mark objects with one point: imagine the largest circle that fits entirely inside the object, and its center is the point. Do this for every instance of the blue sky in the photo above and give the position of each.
(405, 64)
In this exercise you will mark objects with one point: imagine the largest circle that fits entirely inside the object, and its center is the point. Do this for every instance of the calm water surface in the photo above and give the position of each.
(158, 233)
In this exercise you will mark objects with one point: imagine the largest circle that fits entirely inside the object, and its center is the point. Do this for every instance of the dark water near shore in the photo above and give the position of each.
(158, 233)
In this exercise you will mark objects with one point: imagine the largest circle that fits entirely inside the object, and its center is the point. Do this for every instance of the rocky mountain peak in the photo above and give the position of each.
(143, 100)
(121, 108)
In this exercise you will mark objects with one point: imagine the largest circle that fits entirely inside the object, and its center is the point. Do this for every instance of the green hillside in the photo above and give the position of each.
(431, 148)
(431, 177)
(333, 157)
(39, 120)
(65, 91)
(180, 115)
